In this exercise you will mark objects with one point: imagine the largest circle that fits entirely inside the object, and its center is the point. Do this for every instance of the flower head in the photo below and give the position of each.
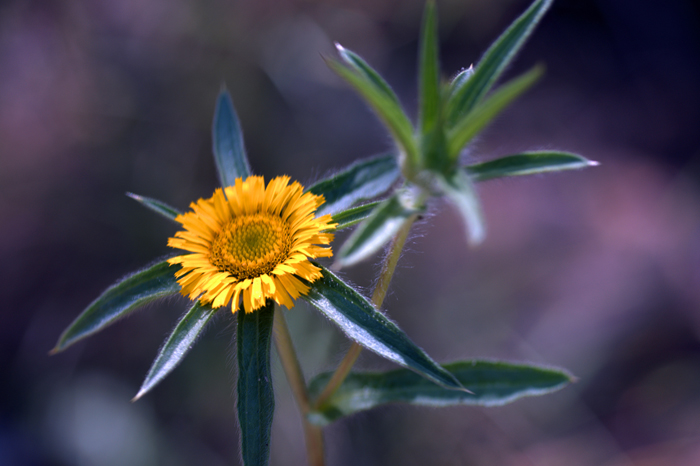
(252, 241)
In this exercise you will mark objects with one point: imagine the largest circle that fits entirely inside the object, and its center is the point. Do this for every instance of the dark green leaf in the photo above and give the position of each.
(229, 151)
(177, 345)
(350, 217)
(492, 383)
(527, 163)
(459, 190)
(388, 109)
(360, 181)
(382, 224)
(429, 71)
(120, 299)
(157, 206)
(476, 120)
(494, 61)
(362, 68)
(256, 399)
(361, 322)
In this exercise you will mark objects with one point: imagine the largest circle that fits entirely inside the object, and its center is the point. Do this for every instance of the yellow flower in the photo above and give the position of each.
(253, 242)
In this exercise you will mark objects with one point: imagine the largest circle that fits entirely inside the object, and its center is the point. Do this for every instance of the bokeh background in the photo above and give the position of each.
(597, 271)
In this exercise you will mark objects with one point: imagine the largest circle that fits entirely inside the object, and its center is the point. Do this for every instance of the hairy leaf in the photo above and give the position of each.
(256, 399)
(127, 295)
(491, 383)
(157, 206)
(361, 322)
(494, 62)
(229, 151)
(527, 163)
(358, 182)
(178, 344)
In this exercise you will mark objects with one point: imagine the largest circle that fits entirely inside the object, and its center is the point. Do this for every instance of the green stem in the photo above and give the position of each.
(285, 348)
(378, 296)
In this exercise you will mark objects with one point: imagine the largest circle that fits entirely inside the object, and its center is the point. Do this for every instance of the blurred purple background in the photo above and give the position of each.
(597, 271)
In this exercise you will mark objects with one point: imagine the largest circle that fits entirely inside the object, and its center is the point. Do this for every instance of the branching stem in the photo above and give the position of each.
(285, 348)
(385, 276)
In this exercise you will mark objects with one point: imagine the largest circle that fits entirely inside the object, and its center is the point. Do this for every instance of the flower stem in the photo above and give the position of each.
(385, 276)
(285, 348)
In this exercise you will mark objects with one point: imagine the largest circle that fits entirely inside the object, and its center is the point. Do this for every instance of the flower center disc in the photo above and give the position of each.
(251, 245)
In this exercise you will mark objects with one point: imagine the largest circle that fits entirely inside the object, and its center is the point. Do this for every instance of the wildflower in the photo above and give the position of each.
(252, 241)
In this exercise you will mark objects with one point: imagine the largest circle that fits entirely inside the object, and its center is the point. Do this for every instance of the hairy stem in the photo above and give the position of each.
(385, 276)
(312, 434)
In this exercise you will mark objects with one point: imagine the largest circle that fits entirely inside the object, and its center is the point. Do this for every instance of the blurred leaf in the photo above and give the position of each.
(361, 322)
(360, 181)
(477, 119)
(350, 217)
(178, 344)
(387, 108)
(128, 294)
(361, 67)
(527, 163)
(256, 399)
(229, 151)
(459, 190)
(429, 71)
(494, 62)
(378, 229)
(433, 144)
(461, 79)
(492, 383)
(157, 206)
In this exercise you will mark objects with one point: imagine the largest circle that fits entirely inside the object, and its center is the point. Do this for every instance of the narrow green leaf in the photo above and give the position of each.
(128, 294)
(459, 190)
(429, 72)
(157, 206)
(178, 344)
(360, 181)
(350, 217)
(494, 61)
(229, 151)
(389, 111)
(361, 322)
(382, 224)
(477, 119)
(256, 399)
(492, 383)
(433, 144)
(527, 163)
(358, 64)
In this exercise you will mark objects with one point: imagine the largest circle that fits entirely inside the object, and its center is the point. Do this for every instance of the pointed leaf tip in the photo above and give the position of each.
(379, 95)
(127, 295)
(473, 122)
(528, 163)
(492, 383)
(495, 61)
(229, 149)
(177, 346)
(157, 206)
